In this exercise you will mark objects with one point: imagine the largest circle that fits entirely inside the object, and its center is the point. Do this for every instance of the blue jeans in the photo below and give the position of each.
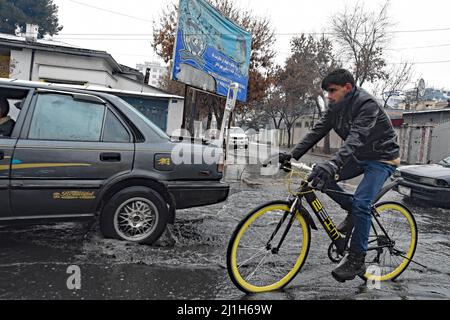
(360, 205)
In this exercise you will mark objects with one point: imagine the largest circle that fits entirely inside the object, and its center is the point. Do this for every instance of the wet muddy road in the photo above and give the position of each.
(190, 264)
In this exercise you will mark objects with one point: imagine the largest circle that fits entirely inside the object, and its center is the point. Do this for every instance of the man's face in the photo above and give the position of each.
(337, 93)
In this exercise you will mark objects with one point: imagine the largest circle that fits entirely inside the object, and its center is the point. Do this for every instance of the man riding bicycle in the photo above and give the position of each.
(370, 149)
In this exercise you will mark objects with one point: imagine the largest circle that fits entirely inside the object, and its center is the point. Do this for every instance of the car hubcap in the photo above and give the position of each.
(136, 219)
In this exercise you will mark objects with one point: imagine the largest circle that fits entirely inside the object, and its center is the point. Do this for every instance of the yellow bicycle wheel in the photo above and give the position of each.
(255, 263)
(396, 250)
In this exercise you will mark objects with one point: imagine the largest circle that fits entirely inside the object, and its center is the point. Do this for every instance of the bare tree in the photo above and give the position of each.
(311, 60)
(398, 77)
(291, 112)
(301, 78)
(272, 107)
(362, 38)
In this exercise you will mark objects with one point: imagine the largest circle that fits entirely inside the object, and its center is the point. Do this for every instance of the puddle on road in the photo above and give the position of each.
(198, 239)
(197, 247)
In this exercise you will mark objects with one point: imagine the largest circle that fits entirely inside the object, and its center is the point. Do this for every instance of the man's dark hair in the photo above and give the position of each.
(4, 107)
(339, 77)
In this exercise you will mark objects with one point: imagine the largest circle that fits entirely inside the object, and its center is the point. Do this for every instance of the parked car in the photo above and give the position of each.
(238, 138)
(212, 134)
(426, 183)
(76, 154)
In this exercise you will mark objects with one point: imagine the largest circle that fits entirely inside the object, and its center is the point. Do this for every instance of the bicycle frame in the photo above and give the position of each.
(322, 215)
(327, 222)
(340, 242)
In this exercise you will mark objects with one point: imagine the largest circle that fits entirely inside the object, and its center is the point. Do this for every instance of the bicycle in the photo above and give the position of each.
(264, 254)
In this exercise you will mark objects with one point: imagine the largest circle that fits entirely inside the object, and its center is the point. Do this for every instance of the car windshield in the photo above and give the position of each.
(236, 131)
(445, 162)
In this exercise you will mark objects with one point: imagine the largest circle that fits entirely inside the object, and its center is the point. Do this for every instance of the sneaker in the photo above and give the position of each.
(346, 227)
(351, 266)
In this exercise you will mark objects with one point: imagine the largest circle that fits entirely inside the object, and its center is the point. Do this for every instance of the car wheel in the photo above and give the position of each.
(135, 214)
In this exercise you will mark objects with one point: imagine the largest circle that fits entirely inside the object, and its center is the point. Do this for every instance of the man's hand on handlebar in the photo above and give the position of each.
(285, 157)
(285, 161)
(322, 174)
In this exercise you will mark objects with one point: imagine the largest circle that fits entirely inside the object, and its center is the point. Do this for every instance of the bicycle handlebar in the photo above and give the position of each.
(302, 167)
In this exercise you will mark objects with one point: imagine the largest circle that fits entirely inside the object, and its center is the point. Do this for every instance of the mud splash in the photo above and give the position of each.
(198, 239)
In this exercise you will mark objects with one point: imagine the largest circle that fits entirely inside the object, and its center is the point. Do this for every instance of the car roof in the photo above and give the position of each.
(52, 87)
(87, 88)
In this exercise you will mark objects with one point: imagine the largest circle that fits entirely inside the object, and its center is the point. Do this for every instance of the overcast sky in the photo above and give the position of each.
(87, 24)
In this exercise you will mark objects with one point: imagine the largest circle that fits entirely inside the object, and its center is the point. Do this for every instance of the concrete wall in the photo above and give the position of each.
(299, 132)
(423, 144)
(20, 64)
(69, 75)
(440, 147)
(62, 67)
(427, 118)
(429, 141)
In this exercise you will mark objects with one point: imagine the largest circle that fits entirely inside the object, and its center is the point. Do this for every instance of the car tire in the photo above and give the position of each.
(135, 214)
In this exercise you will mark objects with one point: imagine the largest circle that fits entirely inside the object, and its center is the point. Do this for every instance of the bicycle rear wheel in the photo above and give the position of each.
(396, 249)
(253, 261)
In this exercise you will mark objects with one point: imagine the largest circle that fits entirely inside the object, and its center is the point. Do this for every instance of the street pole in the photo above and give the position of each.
(226, 122)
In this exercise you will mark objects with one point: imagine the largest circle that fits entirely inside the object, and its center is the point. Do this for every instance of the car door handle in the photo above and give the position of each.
(110, 157)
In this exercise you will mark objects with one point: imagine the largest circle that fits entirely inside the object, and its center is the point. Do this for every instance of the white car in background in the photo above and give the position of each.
(238, 138)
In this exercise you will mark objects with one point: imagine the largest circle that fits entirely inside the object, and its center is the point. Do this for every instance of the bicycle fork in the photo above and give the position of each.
(292, 212)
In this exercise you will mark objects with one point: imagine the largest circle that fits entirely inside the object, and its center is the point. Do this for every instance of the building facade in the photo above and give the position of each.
(32, 59)
(156, 72)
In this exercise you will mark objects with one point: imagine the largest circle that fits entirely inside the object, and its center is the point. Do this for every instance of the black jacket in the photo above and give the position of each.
(7, 128)
(362, 124)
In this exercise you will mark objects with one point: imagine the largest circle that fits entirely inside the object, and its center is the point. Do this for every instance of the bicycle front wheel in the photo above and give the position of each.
(255, 260)
(392, 242)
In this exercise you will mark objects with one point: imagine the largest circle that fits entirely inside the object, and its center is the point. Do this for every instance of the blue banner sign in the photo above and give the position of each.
(211, 51)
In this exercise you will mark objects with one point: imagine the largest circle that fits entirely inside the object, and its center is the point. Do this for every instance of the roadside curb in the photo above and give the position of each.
(252, 183)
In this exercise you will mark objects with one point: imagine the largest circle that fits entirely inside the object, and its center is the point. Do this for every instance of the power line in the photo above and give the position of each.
(421, 47)
(392, 63)
(428, 62)
(110, 11)
(420, 30)
(105, 39)
(281, 53)
(101, 36)
(107, 34)
(277, 34)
